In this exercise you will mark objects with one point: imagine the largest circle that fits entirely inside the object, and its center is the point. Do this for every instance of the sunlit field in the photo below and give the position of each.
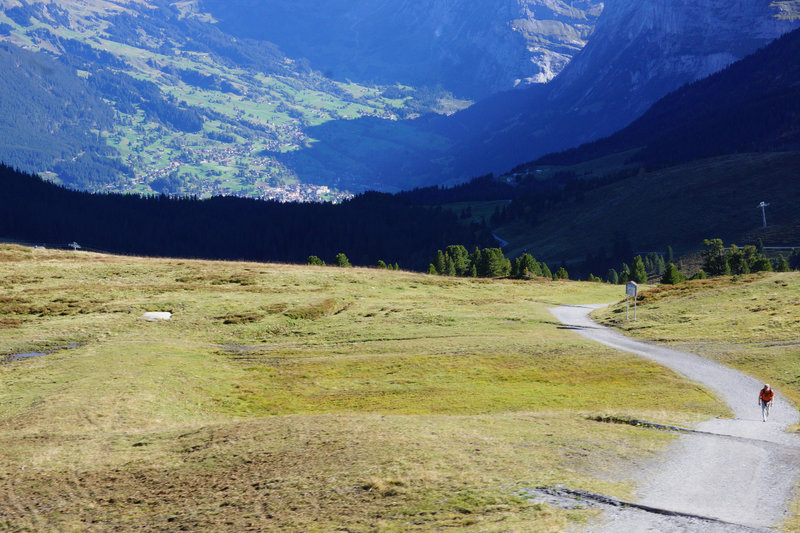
(295, 398)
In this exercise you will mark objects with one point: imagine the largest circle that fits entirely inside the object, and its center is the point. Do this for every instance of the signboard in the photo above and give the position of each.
(631, 288)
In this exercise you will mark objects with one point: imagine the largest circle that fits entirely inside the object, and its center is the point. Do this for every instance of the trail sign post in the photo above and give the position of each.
(631, 289)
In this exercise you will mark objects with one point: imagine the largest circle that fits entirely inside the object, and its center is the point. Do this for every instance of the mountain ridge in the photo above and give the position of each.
(635, 56)
(471, 48)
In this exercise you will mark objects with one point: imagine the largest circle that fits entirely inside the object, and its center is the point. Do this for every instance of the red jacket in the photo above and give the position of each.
(766, 395)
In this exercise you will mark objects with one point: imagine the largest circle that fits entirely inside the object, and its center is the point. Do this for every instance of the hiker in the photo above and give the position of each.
(765, 400)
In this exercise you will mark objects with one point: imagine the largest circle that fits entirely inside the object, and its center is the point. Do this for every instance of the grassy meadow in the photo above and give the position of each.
(750, 322)
(747, 322)
(294, 398)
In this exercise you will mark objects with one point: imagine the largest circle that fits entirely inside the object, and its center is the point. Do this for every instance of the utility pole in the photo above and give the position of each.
(762, 205)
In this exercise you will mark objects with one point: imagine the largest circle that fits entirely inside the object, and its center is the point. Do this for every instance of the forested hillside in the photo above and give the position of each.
(368, 228)
(47, 114)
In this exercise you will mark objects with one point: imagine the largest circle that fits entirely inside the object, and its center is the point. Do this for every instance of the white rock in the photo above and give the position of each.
(155, 316)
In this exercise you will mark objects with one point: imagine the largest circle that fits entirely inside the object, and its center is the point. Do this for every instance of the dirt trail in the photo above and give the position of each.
(745, 473)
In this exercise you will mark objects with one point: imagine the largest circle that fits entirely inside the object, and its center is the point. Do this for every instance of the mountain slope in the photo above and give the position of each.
(196, 110)
(695, 166)
(470, 48)
(753, 105)
(640, 51)
(46, 112)
(678, 206)
(192, 109)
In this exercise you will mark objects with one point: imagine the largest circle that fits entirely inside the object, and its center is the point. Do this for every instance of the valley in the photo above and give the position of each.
(195, 112)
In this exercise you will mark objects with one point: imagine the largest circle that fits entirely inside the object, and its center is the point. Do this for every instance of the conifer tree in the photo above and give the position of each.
(341, 260)
(524, 266)
(715, 260)
(381, 264)
(561, 273)
(460, 257)
(449, 266)
(672, 275)
(314, 260)
(638, 272)
(432, 269)
(439, 262)
(783, 265)
(661, 266)
(612, 276)
(794, 259)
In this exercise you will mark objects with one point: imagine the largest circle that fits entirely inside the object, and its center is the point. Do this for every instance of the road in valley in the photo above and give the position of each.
(742, 472)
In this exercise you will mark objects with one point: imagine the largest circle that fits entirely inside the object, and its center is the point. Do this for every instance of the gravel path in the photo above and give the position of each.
(745, 473)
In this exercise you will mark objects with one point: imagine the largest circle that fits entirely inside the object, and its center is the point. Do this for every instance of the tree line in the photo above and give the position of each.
(455, 260)
(370, 227)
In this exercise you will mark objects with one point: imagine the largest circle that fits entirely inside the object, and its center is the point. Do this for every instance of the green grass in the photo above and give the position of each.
(748, 322)
(293, 398)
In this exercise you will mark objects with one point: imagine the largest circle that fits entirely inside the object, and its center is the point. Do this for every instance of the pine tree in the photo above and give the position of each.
(449, 266)
(715, 260)
(546, 271)
(661, 266)
(432, 269)
(783, 265)
(794, 260)
(341, 260)
(381, 264)
(474, 262)
(460, 257)
(524, 266)
(439, 262)
(314, 260)
(493, 264)
(762, 264)
(670, 255)
(638, 273)
(672, 275)
(561, 273)
(612, 276)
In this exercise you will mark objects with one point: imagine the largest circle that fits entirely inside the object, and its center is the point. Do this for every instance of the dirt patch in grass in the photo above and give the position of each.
(10, 322)
(240, 318)
(314, 311)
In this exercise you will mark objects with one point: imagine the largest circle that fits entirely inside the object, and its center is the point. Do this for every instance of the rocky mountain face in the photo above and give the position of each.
(640, 51)
(646, 48)
(470, 48)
